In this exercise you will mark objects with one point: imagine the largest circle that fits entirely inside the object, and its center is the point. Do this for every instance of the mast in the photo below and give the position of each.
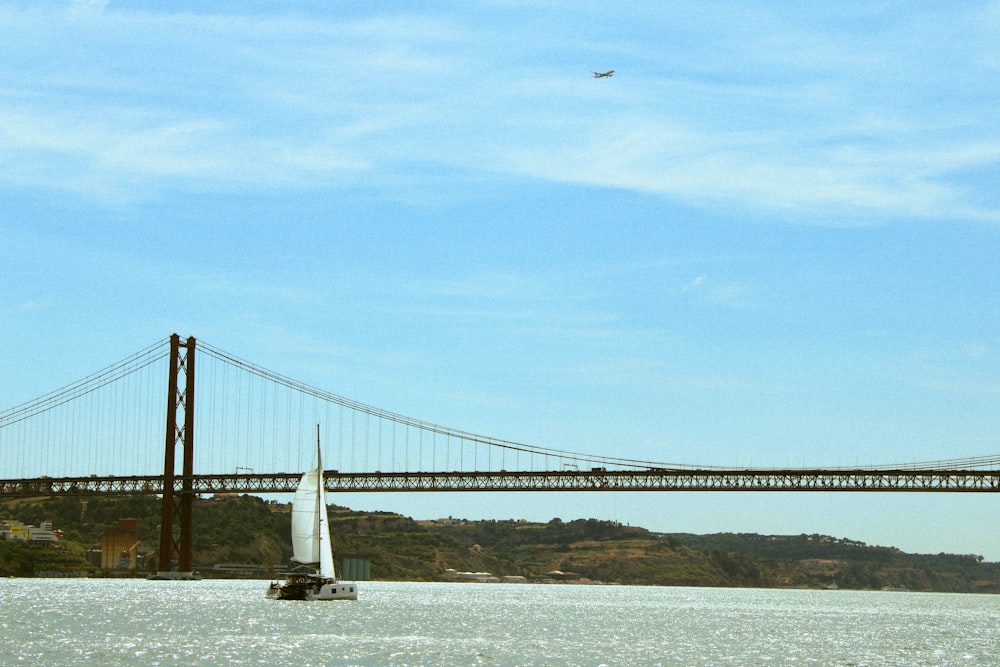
(320, 496)
(325, 545)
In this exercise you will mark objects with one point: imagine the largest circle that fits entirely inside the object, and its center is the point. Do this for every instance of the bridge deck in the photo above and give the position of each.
(958, 481)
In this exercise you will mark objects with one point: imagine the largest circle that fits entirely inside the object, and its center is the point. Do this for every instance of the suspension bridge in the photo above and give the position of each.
(116, 432)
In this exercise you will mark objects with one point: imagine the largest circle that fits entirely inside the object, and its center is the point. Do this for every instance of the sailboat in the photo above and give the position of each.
(314, 577)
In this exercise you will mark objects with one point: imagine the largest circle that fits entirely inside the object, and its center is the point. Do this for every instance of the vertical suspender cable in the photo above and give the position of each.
(274, 429)
(124, 448)
(288, 424)
(263, 422)
(327, 417)
(302, 416)
(223, 417)
(212, 404)
(110, 419)
(237, 420)
(340, 443)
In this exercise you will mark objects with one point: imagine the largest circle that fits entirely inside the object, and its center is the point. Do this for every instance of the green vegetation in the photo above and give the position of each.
(20, 559)
(247, 529)
(852, 564)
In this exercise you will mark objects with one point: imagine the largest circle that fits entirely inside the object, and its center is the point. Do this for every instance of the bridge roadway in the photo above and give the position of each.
(598, 479)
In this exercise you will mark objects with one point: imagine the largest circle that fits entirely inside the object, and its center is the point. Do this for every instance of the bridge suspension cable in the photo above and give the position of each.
(87, 385)
(564, 457)
(255, 421)
(109, 422)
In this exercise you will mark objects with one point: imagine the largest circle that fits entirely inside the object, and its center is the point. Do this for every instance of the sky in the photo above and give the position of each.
(772, 238)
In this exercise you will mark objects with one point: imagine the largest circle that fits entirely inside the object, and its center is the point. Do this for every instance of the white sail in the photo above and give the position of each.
(310, 525)
(305, 519)
(323, 532)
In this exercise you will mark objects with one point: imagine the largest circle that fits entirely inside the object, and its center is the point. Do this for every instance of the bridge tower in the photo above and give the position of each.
(175, 552)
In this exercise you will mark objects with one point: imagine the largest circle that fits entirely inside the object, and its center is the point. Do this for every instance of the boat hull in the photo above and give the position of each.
(312, 588)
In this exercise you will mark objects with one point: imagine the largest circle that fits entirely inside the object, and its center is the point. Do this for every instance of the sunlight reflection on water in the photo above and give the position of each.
(116, 622)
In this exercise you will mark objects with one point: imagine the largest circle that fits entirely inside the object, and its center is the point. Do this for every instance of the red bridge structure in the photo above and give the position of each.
(98, 436)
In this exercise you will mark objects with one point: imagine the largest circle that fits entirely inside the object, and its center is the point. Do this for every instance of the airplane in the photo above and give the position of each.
(601, 75)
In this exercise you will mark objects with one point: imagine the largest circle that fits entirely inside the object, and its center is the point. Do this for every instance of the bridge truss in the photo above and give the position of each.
(814, 480)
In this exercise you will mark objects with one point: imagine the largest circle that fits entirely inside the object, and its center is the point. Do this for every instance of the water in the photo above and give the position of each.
(129, 622)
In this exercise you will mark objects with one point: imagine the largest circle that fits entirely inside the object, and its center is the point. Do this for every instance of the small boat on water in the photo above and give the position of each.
(314, 577)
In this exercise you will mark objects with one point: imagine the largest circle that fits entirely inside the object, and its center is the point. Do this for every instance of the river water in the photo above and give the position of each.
(136, 622)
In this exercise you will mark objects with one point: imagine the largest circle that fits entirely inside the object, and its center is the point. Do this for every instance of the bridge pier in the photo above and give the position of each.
(175, 552)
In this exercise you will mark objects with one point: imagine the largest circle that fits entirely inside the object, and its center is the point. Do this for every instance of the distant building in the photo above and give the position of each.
(44, 534)
(356, 569)
(119, 545)
(477, 577)
(11, 529)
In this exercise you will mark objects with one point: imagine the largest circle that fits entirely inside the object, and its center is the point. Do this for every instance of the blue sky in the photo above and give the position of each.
(772, 238)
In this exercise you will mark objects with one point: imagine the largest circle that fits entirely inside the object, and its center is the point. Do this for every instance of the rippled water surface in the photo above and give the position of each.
(138, 622)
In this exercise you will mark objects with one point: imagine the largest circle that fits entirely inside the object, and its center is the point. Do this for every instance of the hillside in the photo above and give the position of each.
(853, 564)
(246, 529)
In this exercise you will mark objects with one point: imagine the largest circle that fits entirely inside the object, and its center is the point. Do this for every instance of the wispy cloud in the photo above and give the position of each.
(727, 294)
(694, 284)
(781, 118)
(81, 9)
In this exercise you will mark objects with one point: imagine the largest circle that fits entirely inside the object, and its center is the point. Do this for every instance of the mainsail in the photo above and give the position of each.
(310, 525)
